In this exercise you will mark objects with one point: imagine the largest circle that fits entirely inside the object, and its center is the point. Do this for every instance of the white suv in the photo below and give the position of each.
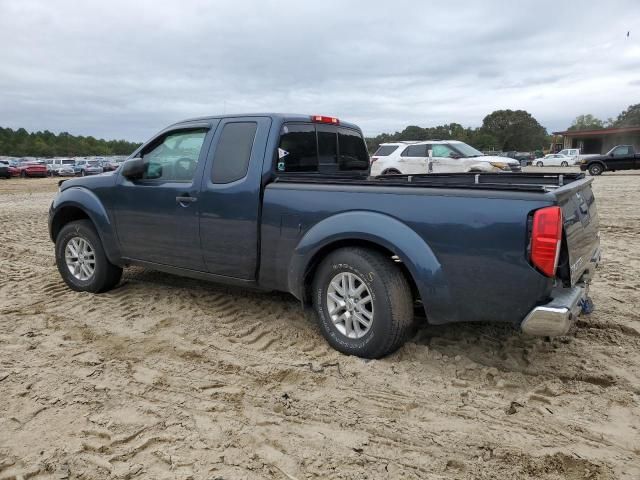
(436, 156)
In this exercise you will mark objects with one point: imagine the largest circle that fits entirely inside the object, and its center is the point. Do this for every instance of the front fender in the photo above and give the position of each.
(387, 232)
(87, 201)
(482, 167)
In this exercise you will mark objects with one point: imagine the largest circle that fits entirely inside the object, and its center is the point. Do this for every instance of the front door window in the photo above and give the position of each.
(175, 157)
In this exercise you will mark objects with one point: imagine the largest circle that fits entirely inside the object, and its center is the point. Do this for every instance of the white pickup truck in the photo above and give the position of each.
(575, 154)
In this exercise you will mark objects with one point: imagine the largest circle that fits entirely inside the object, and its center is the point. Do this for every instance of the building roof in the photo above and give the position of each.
(599, 131)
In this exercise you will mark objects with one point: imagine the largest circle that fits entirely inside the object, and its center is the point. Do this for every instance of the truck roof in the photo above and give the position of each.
(284, 117)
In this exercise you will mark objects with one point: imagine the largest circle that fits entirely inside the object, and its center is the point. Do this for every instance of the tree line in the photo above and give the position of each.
(20, 143)
(505, 130)
(501, 130)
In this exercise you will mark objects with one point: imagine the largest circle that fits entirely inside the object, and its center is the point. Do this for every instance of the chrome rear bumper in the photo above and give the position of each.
(556, 317)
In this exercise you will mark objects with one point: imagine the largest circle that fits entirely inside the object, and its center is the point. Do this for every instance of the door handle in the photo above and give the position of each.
(185, 199)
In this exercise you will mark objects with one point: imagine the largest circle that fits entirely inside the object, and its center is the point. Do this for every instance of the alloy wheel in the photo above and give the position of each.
(80, 258)
(350, 305)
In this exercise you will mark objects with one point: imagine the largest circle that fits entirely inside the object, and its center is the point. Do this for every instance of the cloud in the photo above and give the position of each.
(124, 69)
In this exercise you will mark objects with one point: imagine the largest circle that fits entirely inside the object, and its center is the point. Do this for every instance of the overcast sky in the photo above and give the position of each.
(125, 69)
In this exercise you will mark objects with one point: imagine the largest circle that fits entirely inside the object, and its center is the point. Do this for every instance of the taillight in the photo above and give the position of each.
(546, 237)
(373, 159)
(324, 119)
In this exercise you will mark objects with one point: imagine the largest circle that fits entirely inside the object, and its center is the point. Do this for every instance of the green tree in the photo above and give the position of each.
(20, 143)
(514, 130)
(629, 117)
(586, 122)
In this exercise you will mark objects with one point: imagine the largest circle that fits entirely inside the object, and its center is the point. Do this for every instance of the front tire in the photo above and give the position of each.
(564, 164)
(539, 164)
(595, 169)
(81, 260)
(391, 171)
(363, 302)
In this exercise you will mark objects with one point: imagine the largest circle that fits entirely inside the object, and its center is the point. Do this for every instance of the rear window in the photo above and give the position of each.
(385, 150)
(298, 151)
(321, 148)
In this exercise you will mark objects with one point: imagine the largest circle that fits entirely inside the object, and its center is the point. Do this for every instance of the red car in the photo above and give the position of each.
(31, 169)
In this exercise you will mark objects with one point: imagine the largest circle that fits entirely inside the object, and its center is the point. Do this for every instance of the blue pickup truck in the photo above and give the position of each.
(286, 203)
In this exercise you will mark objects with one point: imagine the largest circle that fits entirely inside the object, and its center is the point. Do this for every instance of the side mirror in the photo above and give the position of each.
(133, 169)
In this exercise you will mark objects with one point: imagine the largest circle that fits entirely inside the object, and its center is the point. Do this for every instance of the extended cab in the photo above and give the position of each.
(285, 202)
(621, 157)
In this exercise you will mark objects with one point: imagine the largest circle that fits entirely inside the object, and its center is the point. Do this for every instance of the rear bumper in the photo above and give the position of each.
(557, 316)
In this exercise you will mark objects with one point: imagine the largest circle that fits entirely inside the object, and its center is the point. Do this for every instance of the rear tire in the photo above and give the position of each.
(105, 275)
(23, 174)
(595, 169)
(564, 164)
(391, 171)
(389, 308)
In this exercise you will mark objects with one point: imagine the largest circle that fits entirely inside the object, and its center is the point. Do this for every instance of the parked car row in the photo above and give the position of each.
(60, 167)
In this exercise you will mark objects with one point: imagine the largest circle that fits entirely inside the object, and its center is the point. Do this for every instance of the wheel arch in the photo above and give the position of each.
(78, 203)
(64, 215)
(384, 234)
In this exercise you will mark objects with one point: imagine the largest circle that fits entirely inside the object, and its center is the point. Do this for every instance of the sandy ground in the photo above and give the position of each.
(172, 378)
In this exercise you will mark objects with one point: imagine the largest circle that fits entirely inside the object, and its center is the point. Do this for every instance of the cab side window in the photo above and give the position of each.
(174, 157)
(231, 160)
(620, 151)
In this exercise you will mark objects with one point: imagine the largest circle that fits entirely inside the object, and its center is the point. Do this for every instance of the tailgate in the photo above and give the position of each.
(581, 225)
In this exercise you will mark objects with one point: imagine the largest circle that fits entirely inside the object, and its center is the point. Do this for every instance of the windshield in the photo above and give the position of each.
(466, 150)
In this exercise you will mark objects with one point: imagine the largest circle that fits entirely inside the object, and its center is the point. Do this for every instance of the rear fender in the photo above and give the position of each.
(388, 233)
(90, 204)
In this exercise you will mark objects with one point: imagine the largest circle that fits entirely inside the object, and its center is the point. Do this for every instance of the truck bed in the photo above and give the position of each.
(527, 182)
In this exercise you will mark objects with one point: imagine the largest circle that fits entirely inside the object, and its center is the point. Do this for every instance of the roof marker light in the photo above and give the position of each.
(325, 119)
